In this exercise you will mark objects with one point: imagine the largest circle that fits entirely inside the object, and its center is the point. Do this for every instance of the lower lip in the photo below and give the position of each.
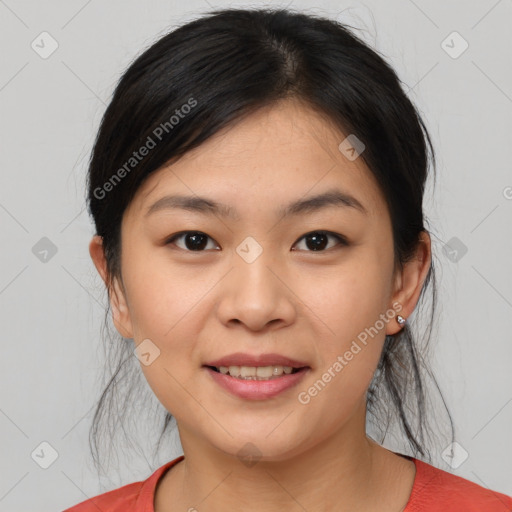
(257, 389)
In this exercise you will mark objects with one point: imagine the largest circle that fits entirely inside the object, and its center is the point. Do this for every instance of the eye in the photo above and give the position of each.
(192, 241)
(319, 240)
(198, 241)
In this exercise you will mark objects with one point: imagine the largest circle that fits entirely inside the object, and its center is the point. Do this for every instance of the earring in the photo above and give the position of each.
(401, 320)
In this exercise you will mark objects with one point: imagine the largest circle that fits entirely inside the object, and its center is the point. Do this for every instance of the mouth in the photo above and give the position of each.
(256, 382)
(256, 372)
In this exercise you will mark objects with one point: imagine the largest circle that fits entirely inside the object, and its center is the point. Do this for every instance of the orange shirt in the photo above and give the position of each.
(434, 490)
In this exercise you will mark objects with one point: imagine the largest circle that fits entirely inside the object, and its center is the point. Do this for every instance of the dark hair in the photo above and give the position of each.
(226, 65)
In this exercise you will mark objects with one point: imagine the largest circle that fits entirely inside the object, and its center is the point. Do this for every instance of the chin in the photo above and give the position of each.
(261, 447)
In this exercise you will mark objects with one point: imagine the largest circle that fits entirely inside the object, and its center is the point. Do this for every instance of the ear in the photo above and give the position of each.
(118, 303)
(409, 281)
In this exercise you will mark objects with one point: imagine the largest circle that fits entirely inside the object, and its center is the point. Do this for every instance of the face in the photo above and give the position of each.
(269, 270)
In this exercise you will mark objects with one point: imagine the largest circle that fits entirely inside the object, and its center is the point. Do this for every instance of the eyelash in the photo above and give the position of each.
(341, 239)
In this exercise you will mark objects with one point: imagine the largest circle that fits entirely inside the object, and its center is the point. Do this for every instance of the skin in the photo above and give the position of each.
(197, 306)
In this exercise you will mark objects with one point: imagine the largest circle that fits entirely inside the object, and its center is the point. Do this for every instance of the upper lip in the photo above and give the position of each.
(241, 359)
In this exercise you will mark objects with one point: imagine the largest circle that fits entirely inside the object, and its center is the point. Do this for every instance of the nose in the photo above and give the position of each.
(256, 295)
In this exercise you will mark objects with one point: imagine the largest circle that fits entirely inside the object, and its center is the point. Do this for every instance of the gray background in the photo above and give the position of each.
(52, 305)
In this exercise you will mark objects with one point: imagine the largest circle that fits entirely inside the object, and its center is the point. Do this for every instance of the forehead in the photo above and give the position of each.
(275, 155)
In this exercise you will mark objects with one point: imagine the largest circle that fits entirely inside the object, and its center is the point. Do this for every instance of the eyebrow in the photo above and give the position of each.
(311, 204)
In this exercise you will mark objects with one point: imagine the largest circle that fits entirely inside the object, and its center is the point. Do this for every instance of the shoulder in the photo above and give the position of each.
(121, 499)
(137, 496)
(438, 490)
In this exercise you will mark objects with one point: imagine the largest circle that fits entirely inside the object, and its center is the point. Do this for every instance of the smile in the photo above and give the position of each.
(256, 372)
(256, 383)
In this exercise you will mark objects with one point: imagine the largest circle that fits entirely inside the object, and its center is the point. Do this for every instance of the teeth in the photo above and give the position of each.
(247, 371)
(268, 371)
(255, 372)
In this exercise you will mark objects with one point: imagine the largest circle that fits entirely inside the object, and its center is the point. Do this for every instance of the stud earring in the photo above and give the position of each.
(401, 320)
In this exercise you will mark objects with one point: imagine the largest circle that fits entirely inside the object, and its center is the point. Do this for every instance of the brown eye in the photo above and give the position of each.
(319, 241)
(192, 241)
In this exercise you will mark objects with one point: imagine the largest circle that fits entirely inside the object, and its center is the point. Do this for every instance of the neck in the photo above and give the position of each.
(345, 472)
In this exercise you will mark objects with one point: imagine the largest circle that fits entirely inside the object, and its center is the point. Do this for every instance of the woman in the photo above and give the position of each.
(256, 187)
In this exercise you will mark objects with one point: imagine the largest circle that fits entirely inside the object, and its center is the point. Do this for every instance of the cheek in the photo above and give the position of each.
(348, 302)
(160, 295)
(162, 305)
(347, 299)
